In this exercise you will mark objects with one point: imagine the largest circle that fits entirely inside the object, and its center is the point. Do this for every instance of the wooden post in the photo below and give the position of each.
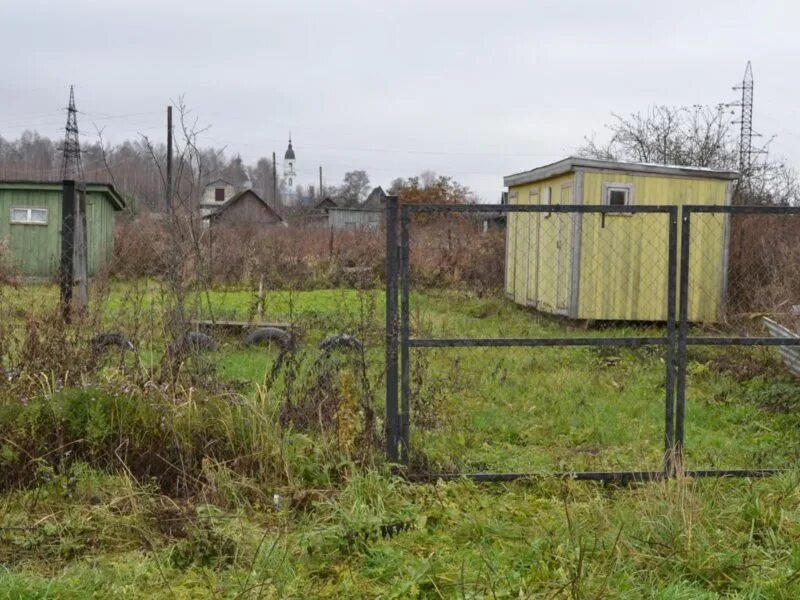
(274, 180)
(260, 306)
(67, 243)
(80, 251)
(169, 163)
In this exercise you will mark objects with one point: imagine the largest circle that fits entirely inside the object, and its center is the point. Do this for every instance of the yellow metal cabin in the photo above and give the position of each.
(613, 267)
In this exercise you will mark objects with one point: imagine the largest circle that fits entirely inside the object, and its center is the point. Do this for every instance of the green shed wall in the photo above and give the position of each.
(35, 250)
(100, 224)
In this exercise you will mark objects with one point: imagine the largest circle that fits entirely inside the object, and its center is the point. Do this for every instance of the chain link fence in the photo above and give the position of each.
(585, 371)
(737, 397)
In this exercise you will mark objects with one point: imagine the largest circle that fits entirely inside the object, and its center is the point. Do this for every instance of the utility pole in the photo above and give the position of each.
(274, 180)
(74, 253)
(169, 162)
(321, 191)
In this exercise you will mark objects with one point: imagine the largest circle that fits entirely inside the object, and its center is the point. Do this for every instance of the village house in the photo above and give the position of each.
(244, 209)
(318, 214)
(215, 194)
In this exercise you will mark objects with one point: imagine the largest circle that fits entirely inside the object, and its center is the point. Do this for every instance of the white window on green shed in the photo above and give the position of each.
(29, 216)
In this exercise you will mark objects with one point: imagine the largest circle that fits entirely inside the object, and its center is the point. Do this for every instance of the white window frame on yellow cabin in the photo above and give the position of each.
(609, 187)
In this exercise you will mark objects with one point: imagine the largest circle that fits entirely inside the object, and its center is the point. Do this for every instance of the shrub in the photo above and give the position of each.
(446, 251)
(764, 265)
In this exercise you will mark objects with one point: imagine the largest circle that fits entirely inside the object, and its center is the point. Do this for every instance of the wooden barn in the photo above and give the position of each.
(245, 209)
(585, 266)
(30, 225)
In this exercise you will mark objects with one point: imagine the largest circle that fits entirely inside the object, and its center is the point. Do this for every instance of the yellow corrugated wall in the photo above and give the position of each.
(623, 259)
(539, 246)
(623, 262)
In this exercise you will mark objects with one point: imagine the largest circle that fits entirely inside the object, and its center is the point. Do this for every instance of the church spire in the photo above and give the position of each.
(289, 151)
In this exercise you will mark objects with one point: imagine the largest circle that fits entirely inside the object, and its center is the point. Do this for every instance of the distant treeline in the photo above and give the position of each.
(134, 167)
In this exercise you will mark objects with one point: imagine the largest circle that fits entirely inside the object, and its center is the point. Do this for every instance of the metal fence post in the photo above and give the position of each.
(669, 410)
(405, 373)
(392, 416)
(680, 409)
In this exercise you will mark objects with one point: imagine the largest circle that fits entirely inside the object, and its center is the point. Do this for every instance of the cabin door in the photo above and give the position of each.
(563, 252)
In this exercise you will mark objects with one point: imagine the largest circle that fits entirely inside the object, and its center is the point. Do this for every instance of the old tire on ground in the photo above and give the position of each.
(343, 341)
(110, 339)
(195, 340)
(266, 335)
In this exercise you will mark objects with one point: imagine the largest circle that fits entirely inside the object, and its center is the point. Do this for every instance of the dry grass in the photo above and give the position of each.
(450, 252)
(765, 265)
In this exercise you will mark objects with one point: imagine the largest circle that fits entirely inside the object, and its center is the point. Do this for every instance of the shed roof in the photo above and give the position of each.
(572, 163)
(325, 203)
(106, 189)
(235, 198)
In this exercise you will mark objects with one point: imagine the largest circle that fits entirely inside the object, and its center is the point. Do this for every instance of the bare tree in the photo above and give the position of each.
(260, 177)
(699, 136)
(429, 187)
(186, 268)
(236, 173)
(355, 186)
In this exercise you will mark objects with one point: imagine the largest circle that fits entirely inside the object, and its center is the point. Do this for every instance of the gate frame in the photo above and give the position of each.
(685, 340)
(676, 341)
(399, 341)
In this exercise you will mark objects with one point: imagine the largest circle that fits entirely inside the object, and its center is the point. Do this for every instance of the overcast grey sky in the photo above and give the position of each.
(471, 89)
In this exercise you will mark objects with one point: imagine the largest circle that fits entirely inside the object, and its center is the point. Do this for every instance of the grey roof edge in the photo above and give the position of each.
(357, 209)
(574, 162)
(97, 186)
(222, 179)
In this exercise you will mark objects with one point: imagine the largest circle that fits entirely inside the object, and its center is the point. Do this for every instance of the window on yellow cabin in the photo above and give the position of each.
(617, 197)
(618, 194)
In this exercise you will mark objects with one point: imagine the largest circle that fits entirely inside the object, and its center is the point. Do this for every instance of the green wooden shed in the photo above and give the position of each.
(30, 225)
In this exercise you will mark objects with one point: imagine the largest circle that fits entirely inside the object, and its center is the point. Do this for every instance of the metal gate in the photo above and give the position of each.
(676, 283)
(696, 222)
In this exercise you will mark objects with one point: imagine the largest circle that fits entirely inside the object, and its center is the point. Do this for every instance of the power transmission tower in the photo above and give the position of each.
(74, 253)
(71, 165)
(745, 122)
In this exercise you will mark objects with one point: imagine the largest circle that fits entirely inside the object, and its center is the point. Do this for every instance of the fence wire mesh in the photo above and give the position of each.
(737, 390)
(581, 366)
(573, 375)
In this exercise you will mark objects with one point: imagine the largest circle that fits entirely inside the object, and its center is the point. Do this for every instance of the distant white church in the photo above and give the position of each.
(291, 180)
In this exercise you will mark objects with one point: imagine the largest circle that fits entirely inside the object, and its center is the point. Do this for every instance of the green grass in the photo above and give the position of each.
(87, 532)
(701, 539)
